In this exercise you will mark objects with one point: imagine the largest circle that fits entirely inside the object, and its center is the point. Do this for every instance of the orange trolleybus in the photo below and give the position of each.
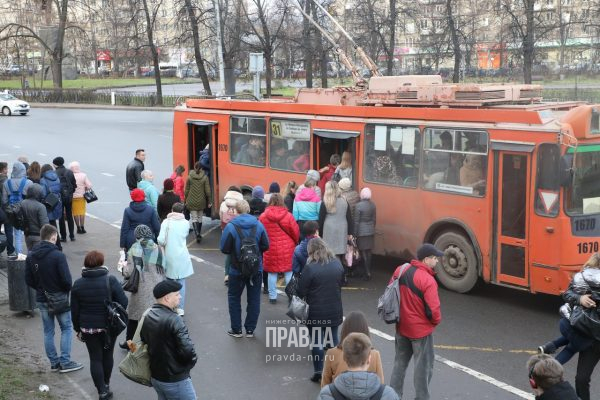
(506, 184)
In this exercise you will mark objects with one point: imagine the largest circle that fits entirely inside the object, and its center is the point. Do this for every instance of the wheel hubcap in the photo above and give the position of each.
(455, 262)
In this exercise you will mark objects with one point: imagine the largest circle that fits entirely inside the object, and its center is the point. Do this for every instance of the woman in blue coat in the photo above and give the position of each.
(173, 236)
(138, 213)
(51, 184)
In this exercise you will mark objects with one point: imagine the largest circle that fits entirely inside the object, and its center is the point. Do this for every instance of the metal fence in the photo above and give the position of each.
(83, 96)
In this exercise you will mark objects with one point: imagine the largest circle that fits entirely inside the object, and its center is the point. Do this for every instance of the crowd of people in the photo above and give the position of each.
(310, 233)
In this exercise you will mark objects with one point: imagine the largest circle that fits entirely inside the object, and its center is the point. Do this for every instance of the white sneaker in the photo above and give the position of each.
(180, 312)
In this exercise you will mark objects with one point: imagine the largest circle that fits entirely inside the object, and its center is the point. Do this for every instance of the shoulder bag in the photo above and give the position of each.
(117, 317)
(58, 302)
(298, 309)
(51, 200)
(136, 364)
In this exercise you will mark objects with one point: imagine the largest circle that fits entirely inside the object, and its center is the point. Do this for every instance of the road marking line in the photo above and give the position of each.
(531, 352)
(43, 154)
(478, 375)
(485, 378)
(465, 348)
(79, 388)
(165, 136)
(107, 174)
(4, 154)
(16, 147)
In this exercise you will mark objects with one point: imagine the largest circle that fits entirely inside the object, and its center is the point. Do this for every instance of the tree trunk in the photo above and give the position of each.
(320, 49)
(268, 71)
(308, 50)
(154, 52)
(528, 41)
(455, 42)
(392, 45)
(197, 53)
(57, 53)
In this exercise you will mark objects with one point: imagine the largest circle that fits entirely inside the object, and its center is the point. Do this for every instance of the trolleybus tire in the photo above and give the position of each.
(457, 270)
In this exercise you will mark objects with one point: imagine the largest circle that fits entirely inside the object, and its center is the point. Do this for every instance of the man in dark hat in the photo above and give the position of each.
(419, 315)
(67, 188)
(170, 348)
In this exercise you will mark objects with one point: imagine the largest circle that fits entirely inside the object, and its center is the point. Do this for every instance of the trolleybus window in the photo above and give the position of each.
(289, 145)
(583, 197)
(548, 180)
(455, 160)
(392, 154)
(248, 138)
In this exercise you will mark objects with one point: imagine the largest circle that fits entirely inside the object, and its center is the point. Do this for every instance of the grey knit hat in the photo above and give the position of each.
(314, 175)
(143, 232)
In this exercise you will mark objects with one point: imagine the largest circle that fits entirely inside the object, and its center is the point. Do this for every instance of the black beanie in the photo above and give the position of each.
(165, 287)
(58, 161)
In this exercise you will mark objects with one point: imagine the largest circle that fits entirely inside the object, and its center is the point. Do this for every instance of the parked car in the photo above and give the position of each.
(9, 105)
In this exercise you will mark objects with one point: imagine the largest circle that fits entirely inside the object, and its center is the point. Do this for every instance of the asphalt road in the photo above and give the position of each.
(491, 331)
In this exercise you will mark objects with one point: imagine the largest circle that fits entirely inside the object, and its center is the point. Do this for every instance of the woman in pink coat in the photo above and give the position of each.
(283, 233)
(79, 203)
(177, 178)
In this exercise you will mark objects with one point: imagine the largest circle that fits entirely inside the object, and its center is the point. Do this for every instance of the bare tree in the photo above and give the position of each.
(192, 18)
(150, 16)
(266, 23)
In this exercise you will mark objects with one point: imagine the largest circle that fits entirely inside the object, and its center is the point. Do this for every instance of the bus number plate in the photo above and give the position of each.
(587, 224)
(222, 147)
(587, 247)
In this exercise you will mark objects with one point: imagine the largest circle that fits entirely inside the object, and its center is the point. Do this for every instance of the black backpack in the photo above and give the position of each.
(66, 188)
(249, 259)
(335, 393)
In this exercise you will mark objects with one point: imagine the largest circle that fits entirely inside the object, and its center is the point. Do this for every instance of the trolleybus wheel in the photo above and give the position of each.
(457, 270)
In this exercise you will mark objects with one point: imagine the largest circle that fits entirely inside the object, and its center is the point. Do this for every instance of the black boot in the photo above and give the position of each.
(367, 264)
(198, 231)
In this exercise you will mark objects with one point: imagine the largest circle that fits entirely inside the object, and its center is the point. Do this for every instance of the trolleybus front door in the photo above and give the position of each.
(200, 135)
(511, 218)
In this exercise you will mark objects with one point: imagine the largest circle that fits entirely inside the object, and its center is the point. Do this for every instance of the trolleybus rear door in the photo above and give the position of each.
(200, 135)
(510, 257)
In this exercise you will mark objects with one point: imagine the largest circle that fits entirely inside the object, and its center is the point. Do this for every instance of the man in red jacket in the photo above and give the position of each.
(419, 315)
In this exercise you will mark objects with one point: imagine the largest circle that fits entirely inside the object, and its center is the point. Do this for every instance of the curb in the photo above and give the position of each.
(99, 107)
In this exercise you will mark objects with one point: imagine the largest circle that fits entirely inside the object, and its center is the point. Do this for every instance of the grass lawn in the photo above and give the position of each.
(17, 382)
(86, 83)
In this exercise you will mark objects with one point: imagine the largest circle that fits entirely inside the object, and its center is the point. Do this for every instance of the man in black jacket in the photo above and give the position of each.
(47, 271)
(133, 173)
(67, 188)
(170, 348)
(35, 215)
(546, 379)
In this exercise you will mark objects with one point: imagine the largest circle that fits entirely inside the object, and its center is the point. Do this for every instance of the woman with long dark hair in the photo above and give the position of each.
(89, 315)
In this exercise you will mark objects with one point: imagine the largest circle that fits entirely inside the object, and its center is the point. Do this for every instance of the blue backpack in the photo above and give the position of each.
(14, 213)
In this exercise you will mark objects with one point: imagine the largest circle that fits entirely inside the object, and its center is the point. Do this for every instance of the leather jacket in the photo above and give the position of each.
(171, 350)
(133, 173)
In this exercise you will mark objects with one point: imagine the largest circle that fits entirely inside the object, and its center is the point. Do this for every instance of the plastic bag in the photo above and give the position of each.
(352, 254)
(122, 261)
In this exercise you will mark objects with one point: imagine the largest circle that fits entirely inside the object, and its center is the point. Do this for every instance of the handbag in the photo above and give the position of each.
(117, 317)
(586, 321)
(132, 283)
(298, 309)
(51, 201)
(136, 364)
(58, 302)
(352, 254)
(90, 196)
(291, 289)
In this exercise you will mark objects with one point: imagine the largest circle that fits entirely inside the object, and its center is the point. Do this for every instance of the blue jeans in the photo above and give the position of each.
(273, 282)
(234, 297)
(19, 238)
(318, 337)
(66, 335)
(572, 340)
(182, 390)
(181, 292)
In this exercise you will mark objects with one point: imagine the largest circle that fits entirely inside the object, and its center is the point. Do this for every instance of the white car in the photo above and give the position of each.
(9, 104)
